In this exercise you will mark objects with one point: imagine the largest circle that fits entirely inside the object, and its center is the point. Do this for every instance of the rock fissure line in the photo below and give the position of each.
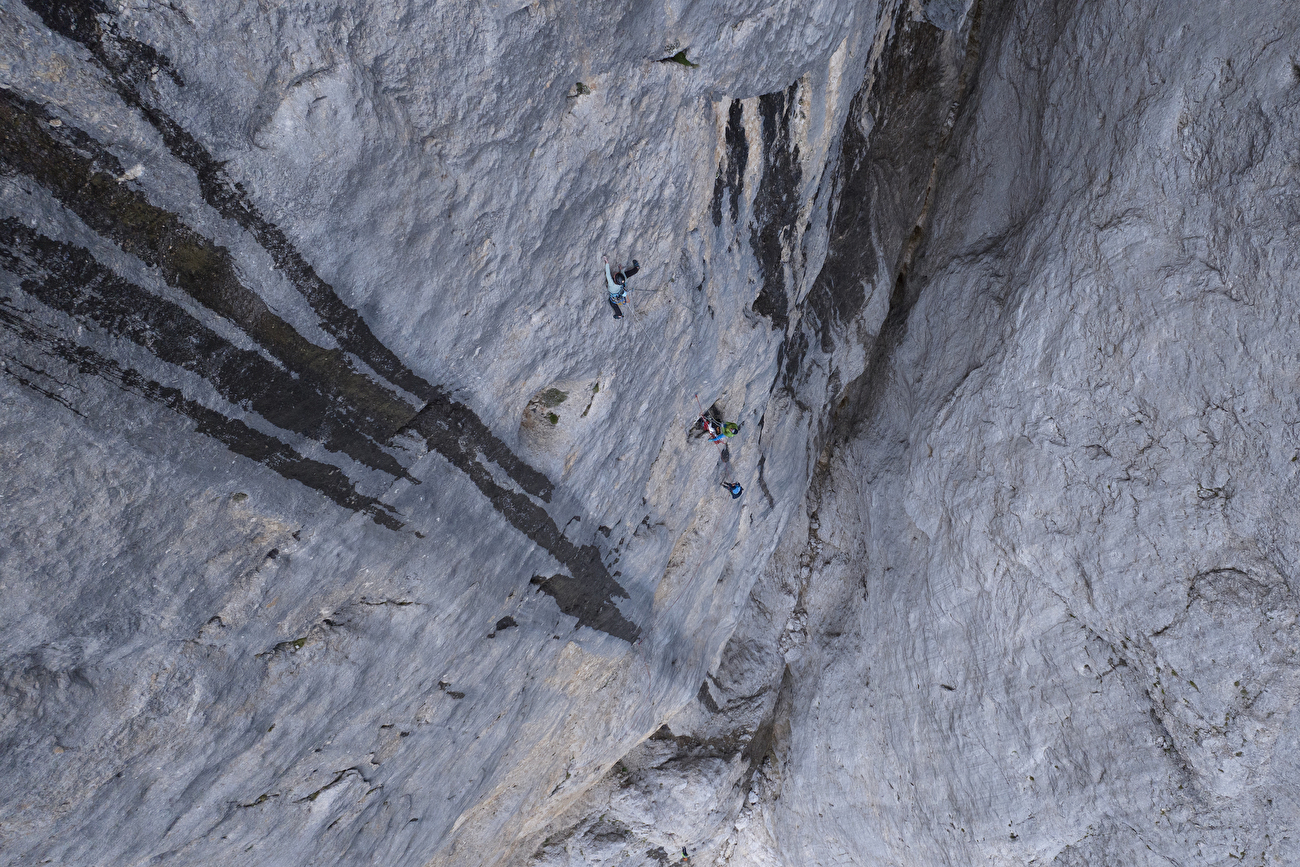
(128, 64)
(32, 384)
(448, 430)
(76, 20)
(776, 204)
(731, 169)
(241, 439)
(67, 278)
(907, 112)
(203, 270)
(904, 296)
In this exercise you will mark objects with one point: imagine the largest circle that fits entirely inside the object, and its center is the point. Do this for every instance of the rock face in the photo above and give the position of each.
(344, 524)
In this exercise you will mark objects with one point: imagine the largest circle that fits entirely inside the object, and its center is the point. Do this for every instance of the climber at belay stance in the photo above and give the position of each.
(618, 285)
(717, 431)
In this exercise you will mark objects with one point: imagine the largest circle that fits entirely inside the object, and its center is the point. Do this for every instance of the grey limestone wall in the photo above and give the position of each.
(343, 524)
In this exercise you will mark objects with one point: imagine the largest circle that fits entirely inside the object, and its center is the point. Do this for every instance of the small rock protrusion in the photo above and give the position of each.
(680, 59)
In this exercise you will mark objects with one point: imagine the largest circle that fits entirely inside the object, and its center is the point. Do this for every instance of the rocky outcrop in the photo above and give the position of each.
(344, 524)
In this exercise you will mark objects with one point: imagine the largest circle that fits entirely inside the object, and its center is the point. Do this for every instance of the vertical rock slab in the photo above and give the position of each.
(295, 577)
(1051, 607)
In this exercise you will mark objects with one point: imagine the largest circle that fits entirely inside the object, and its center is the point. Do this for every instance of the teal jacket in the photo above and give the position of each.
(615, 290)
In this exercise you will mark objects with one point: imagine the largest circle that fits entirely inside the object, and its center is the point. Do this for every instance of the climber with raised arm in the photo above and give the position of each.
(618, 285)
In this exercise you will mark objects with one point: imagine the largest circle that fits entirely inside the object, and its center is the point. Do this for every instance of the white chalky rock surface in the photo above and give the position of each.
(342, 523)
(1043, 610)
(1056, 621)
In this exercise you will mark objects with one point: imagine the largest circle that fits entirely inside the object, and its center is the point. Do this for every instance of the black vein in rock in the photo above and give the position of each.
(67, 278)
(198, 267)
(591, 591)
(776, 204)
(129, 64)
(731, 169)
(592, 606)
(190, 262)
(233, 434)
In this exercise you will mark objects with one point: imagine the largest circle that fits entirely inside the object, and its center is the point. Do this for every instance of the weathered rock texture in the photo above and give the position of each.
(1041, 609)
(343, 524)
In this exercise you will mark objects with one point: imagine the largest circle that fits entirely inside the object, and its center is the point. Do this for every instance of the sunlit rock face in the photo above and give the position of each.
(1040, 608)
(344, 524)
